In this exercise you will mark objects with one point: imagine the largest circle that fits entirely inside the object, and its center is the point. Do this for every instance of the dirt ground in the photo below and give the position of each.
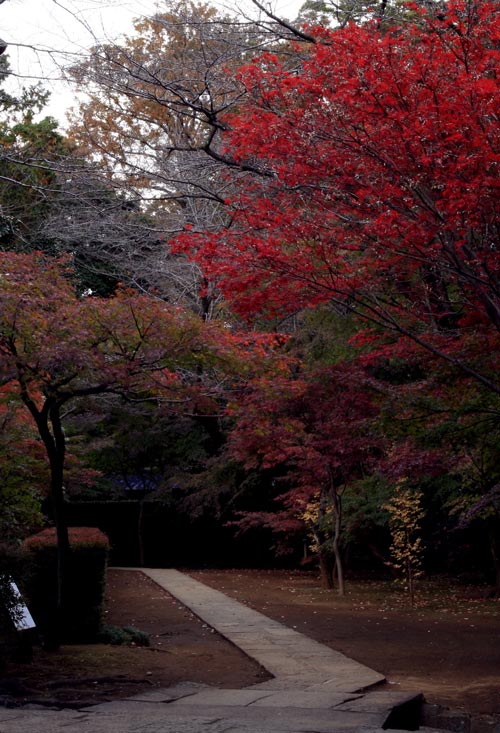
(448, 647)
(182, 649)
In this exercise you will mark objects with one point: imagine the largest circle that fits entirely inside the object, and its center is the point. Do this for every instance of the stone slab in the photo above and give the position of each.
(231, 698)
(301, 699)
(378, 700)
(169, 693)
(174, 718)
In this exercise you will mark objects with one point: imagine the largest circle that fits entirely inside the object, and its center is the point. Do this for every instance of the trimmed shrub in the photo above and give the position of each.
(84, 588)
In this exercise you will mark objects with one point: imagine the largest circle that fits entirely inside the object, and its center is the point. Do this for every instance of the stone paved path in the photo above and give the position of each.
(314, 689)
(295, 660)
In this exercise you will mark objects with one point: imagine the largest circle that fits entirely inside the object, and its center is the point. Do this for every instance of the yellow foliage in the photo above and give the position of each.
(405, 514)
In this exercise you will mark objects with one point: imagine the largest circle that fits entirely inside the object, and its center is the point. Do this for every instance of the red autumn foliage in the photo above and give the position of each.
(81, 536)
(59, 348)
(317, 433)
(380, 157)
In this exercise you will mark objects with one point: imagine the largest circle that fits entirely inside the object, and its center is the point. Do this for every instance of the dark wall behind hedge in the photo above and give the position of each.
(172, 540)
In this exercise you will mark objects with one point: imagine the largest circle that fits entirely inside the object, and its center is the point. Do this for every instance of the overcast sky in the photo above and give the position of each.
(44, 34)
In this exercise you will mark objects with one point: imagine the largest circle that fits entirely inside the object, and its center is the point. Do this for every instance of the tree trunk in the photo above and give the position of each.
(337, 508)
(57, 451)
(326, 570)
(55, 445)
(140, 539)
(321, 538)
(494, 542)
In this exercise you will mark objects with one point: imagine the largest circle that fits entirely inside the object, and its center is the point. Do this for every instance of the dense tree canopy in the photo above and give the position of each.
(381, 191)
(57, 348)
(27, 180)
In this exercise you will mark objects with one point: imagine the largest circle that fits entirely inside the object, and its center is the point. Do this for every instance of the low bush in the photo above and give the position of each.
(85, 583)
(123, 635)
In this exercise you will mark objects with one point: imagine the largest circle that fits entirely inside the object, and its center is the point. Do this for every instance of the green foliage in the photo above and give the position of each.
(123, 635)
(23, 477)
(322, 336)
(366, 520)
(28, 182)
(21, 507)
(338, 13)
(363, 506)
(140, 446)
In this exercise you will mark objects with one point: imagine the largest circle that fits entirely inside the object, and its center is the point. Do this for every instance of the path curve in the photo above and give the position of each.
(314, 688)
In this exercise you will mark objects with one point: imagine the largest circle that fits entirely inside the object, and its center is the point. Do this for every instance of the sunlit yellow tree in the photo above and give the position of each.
(405, 514)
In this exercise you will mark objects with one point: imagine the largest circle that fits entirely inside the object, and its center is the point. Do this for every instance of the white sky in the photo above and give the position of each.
(44, 34)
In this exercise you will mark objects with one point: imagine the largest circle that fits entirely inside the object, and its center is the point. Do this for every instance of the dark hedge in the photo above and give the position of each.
(84, 588)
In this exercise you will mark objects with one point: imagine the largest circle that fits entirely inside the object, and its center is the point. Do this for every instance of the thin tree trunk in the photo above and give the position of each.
(494, 542)
(336, 550)
(324, 554)
(56, 459)
(411, 582)
(337, 509)
(140, 539)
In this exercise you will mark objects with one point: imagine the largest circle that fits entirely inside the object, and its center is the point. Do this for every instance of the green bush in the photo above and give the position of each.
(84, 588)
(126, 635)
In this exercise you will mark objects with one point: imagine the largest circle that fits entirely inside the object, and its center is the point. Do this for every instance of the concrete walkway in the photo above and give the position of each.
(314, 689)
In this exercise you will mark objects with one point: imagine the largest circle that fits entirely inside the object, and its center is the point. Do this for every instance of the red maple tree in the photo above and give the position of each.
(380, 185)
(317, 432)
(57, 348)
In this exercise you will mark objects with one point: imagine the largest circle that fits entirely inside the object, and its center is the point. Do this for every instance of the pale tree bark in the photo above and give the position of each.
(151, 121)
